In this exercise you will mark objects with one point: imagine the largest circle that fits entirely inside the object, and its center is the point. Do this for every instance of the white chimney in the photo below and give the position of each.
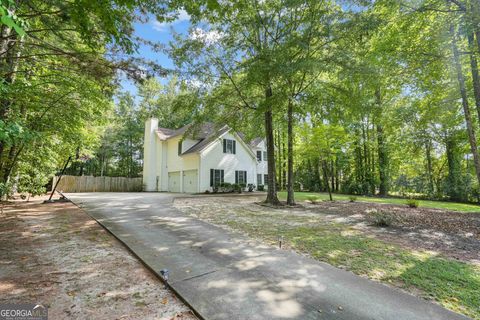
(150, 155)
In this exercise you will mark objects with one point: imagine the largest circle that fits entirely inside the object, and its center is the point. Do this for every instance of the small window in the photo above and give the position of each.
(259, 155)
(241, 177)
(216, 177)
(259, 179)
(265, 179)
(264, 155)
(229, 146)
(180, 147)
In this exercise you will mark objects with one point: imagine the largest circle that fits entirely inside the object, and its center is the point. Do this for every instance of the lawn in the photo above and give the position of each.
(452, 283)
(445, 205)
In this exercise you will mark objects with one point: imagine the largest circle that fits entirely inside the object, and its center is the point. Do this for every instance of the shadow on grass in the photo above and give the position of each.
(453, 284)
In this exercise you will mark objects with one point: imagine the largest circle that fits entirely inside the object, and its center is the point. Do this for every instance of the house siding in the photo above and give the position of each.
(161, 158)
(214, 158)
(261, 166)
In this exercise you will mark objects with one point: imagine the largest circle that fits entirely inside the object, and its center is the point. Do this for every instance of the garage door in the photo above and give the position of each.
(174, 181)
(190, 181)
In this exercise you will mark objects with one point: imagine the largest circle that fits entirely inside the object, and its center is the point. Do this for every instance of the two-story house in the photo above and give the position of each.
(195, 160)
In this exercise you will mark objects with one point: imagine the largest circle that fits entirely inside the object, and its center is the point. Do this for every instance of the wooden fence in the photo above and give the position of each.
(98, 184)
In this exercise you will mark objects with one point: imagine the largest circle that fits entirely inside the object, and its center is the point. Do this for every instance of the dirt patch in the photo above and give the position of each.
(452, 234)
(56, 255)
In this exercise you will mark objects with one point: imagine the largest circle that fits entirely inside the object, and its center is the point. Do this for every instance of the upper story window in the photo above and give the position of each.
(264, 155)
(259, 155)
(229, 146)
(180, 147)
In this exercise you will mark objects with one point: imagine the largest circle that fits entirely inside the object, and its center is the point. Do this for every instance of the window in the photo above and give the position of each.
(259, 155)
(216, 177)
(265, 179)
(180, 147)
(259, 179)
(264, 155)
(229, 146)
(241, 177)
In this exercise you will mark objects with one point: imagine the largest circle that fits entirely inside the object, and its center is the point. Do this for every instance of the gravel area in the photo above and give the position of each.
(57, 256)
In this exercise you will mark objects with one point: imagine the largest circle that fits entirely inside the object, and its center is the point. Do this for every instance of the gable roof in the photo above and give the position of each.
(206, 133)
(209, 138)
(255, 142)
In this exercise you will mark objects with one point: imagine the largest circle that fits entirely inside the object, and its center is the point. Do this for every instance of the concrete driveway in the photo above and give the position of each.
(224, 275)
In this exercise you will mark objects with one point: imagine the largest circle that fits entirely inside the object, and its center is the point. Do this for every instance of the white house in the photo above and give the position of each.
(195, 159)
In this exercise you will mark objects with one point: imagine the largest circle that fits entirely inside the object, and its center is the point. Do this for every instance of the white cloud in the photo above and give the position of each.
(163, 26)
(207, 37)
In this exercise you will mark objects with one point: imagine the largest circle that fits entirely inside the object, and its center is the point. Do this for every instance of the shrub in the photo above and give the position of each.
(251, 187)
(380, 218)
(226, 187)
(260, 187)
(352, 198)
(412, 203)
(6, 190)
(313, 199)
(237, 187)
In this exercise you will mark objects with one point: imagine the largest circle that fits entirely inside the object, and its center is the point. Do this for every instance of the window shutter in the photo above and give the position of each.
(234, 146)
(246, 181)
(236, 176)
(211, 177)
(224, 145)
(221, 176)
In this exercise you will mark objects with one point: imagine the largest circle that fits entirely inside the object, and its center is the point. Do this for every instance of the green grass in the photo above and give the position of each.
(452, 283)
(452, 206)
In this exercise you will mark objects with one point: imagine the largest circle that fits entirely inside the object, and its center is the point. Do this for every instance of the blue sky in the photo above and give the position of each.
(161, 33)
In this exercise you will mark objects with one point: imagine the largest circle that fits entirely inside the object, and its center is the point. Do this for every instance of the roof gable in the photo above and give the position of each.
(206, 133)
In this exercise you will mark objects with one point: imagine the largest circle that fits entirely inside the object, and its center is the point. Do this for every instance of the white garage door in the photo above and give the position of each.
(190, 181)
(174, 181)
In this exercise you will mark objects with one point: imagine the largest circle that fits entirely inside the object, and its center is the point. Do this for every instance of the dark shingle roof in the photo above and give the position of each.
(206, 133)
(255, 142)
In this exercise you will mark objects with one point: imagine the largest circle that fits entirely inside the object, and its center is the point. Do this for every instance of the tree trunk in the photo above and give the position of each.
(332, 170)
(279, 162)
(382, 152)
(337, 175)
(382, 162)
(272, 188)
(428, 155)
(474, 70)
(466, 109)
(290, 193)
(454, 189)
(284, 161)
(325, 177)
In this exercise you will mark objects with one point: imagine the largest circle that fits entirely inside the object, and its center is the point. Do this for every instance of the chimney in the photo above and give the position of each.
(149, 155)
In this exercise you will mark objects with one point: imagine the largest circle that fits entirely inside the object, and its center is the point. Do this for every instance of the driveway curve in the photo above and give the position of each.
(224, 275)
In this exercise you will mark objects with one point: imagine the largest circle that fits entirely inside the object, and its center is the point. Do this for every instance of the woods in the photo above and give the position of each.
(373, 98)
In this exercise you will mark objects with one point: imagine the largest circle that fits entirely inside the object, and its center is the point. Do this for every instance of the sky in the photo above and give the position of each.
(161, 33)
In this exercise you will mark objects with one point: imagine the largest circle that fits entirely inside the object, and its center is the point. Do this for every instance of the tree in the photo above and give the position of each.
(57, 64)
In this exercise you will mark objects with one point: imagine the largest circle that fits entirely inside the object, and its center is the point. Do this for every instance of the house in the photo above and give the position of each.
(195, 160)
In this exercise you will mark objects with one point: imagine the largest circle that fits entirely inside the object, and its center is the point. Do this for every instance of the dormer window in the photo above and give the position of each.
(259, 155)
(229, 146)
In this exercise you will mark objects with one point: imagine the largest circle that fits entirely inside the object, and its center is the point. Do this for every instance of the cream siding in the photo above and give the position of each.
(164, 169)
